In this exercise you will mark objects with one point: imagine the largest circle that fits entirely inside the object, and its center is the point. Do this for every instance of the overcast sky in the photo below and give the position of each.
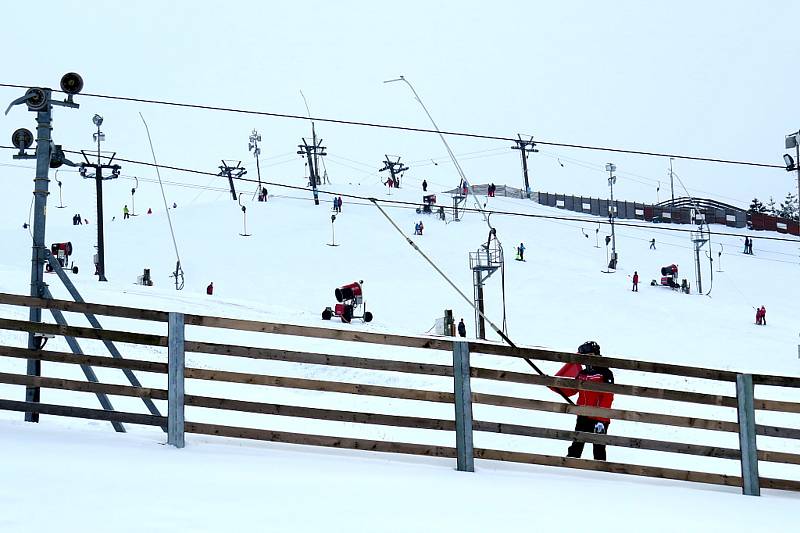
(713, 79)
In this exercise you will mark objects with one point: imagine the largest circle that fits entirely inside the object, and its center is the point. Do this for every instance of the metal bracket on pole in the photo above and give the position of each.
(463, 400)
(747, 435)
(88, 371)
(112, 349)
(175, 419)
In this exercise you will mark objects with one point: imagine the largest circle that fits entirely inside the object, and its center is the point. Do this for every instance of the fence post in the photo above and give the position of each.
(463, 397)
(175, 381)
(747, 435)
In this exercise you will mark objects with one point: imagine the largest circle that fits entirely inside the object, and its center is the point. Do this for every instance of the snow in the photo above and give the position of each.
(285, 272)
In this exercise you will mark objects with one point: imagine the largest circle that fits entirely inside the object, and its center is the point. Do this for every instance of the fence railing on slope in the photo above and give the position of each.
(462, 398)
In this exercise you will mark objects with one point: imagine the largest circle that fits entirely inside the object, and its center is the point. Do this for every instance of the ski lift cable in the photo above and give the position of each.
(460, 293)
(415, 205)
(178, 270)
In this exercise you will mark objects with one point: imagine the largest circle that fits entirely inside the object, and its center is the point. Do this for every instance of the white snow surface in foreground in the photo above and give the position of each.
(76, 475)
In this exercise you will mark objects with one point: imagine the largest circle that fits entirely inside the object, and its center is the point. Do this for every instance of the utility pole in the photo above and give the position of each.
(252, 146)
(312, 152)
(39, 101)
(525, 146)
(232, 173)
(612, 213)
(98, 181)
(671, 182)
(394, 168)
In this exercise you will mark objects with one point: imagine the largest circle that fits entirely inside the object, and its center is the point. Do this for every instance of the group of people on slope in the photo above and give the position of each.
(337, 204)
(761, 316)
(418, 227)
(748, 246)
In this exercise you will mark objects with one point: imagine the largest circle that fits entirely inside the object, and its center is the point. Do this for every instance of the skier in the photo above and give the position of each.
(125, 213)
(416, 228)
(462, 329)
(464, 188)
(746, 245)
(653, 243)
(750, 247)
(763, 313)
(521, 252)
(492, 188)
(340, 204)
(335, 204)
(421, 227)
(210, 289)
(424, 186)
(149, 211)
(591, 424)
(635, 281)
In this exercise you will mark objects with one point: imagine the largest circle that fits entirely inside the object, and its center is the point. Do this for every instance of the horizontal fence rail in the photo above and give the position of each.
(483, 352)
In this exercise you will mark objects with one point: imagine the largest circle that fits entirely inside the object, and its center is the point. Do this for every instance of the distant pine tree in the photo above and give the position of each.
(756, 207)
(788, 208)
(771, 209)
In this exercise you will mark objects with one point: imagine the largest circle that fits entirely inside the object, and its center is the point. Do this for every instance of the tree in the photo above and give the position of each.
(756, 207)
(788, 208)
(771, 209)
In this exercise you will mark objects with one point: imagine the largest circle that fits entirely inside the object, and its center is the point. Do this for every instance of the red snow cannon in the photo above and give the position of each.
(61, 251)
(351, 304)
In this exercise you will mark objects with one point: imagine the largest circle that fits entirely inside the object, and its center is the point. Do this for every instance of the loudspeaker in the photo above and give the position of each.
(71, 83)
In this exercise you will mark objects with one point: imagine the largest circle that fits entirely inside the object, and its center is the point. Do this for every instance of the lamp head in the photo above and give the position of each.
(98, 120)
(71, 83)
(790, 163)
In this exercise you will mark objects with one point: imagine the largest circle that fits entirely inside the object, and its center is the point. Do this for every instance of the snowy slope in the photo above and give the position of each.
(558, 298)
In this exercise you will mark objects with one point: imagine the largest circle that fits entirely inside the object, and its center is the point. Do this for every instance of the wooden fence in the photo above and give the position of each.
(461, 374)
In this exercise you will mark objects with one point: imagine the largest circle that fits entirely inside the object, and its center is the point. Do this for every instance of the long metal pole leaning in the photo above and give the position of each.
(464, 296)
(88, 371)
(112, 349)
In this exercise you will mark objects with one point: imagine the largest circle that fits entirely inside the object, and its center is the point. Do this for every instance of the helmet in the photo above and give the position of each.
(589, 348)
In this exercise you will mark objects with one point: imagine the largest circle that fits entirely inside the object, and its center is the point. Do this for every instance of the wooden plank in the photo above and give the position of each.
(779, 484)
(779, 432)
(82, 412)
(611, 362)
(606, 466)
(317, 385)
(617, 414)
(630, 390)
(84, 308)
(430, 343)
(82, 386)
(320, 414)
(272, 354)
(84, 333)
(779, 457)
(609, 440)
(92, 360)
(319, 440)
(775, 405)
(776, 381)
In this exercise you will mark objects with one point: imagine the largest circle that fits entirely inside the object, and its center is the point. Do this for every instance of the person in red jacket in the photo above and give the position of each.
(592, 424)
(635, 281)
(210, 289)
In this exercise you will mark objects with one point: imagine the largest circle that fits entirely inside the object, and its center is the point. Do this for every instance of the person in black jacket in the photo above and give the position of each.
(462, 329)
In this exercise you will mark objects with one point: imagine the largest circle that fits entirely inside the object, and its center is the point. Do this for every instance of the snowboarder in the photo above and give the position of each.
(125, 213)
(424, 186)
(462, 329)
(635, 281)
(653, 243)
(210, 289)
(591, 424)
(521, 252)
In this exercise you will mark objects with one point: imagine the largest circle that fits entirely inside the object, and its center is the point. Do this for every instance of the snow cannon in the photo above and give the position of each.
(669, 276)
(351, 304)
(61, 251)
(428, 201)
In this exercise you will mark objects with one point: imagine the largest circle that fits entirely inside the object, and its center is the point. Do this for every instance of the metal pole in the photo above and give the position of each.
(747, 435)
(463, 404)
(176, 361)
(611, 215)
(671, 182)
(40, 191)
(101, 247)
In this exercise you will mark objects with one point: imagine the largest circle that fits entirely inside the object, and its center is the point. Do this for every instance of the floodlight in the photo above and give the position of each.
(98, 120)
(36, 99)
(611, 167)
(22, 139)
(71, 83)
(789, 160)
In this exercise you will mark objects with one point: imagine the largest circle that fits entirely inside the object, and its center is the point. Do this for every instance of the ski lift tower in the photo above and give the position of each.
(458, 199)
(484, 262)
(699, 238)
